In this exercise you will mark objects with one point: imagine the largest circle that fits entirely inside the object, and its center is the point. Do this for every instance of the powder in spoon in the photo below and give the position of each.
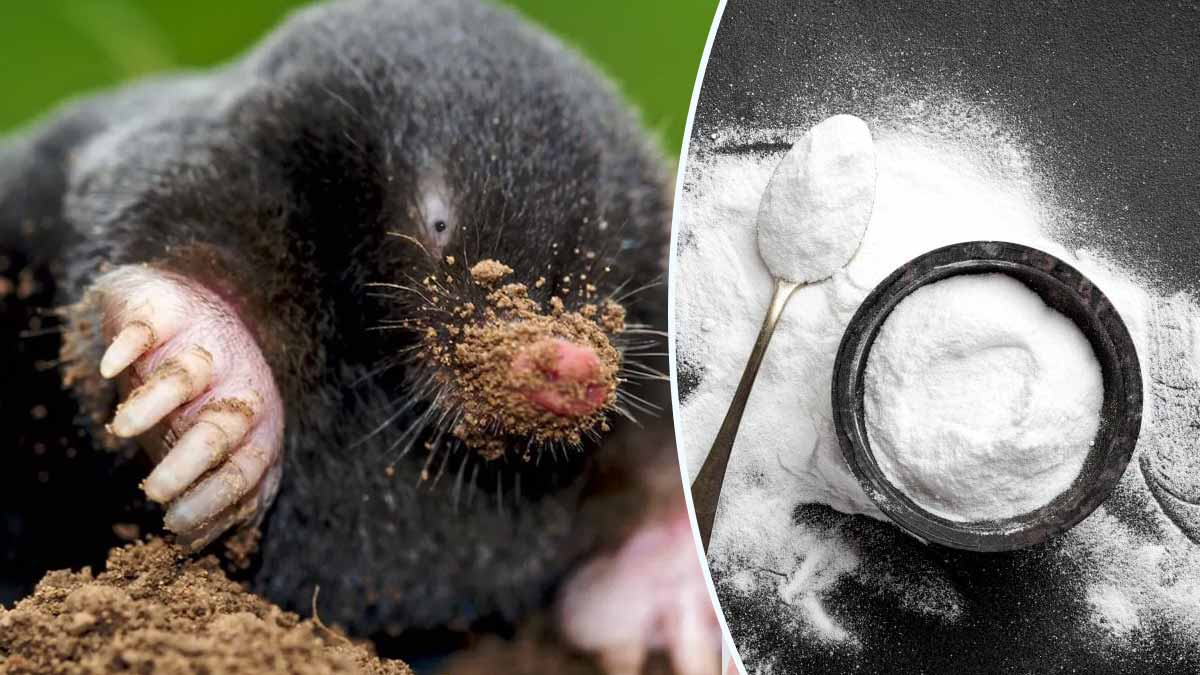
(981, 401)
(816, 206)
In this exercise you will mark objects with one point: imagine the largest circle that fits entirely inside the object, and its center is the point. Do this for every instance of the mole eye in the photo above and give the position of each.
(435, 220)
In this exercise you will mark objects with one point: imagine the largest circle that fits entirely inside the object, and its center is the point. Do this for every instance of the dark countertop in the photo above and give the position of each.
(1106, 94)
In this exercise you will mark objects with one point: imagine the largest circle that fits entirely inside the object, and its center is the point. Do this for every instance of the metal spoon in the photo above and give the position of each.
(811, 220)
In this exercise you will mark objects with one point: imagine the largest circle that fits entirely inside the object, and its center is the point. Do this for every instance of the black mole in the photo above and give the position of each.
(370, 142)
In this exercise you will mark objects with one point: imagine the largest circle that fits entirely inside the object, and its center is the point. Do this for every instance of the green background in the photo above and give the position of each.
(53, 49)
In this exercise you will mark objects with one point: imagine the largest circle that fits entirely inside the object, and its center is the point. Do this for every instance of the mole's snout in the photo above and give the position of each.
(568, 379)
(523, 374)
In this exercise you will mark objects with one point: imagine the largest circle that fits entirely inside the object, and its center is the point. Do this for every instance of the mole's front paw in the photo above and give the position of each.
(198, 396)
(650, 595)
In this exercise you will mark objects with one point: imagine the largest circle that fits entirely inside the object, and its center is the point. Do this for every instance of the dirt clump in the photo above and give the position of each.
(154, 610)
(489, 271)
(505, 348)
(241, 546)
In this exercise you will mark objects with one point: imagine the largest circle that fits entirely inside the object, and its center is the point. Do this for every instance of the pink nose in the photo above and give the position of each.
(571, 382)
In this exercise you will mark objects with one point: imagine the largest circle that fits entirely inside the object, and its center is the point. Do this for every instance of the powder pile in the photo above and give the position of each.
(829, 177)
(948, 172)
(981, 401)
(154, 610)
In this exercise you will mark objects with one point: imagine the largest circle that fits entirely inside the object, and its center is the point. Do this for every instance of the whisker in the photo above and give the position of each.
(619, 288)
(471, 481)
(636, 377)
(399, 287)
(437, 283)
(634, 398)
(383, 367)
(39, 333)
(639, 289)
(397, 326)
(637, 346)
(408, 237)
(458, 481)
(437, 442)
(644, 331)
(635, 365)
(424, 475)
(410, 434)
(620, 410)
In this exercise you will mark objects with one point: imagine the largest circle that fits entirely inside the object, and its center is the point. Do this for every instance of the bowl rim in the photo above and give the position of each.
(1097, 318)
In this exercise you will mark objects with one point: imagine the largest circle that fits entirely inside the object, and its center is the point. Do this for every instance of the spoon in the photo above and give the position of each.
(811, 220)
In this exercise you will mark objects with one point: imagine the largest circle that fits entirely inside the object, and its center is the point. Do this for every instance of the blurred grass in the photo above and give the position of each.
(54, 49)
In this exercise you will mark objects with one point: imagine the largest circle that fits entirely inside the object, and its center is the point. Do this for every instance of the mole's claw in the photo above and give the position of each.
(175, 382)
(201, 505)
(203, 535)
(135, 339)
(218, 427)
(197, 393)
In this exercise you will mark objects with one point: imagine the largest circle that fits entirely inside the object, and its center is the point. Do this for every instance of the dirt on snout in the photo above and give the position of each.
(479, 354)
(154, 610)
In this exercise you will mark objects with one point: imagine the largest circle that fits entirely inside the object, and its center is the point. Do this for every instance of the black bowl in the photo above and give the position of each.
(1063, 288)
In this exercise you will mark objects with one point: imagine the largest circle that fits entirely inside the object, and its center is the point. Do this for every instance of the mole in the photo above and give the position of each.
(388, 288)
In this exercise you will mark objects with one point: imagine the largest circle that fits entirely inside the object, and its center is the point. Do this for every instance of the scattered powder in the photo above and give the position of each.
(946, 174)
(1116, 611)
(981, 401)
(829, 177)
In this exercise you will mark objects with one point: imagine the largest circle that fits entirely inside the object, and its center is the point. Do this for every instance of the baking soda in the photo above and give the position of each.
(981, 401)
(816, 205)
(944, 176)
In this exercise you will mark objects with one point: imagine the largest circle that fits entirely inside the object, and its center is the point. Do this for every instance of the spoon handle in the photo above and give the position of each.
(706, 489)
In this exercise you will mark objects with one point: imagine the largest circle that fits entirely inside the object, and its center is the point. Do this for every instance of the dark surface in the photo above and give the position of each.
(59, 497)
(1061, 287)
(1105, 97)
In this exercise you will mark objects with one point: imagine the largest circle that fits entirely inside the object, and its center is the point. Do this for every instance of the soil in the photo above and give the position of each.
(489, 271)
(154, 610)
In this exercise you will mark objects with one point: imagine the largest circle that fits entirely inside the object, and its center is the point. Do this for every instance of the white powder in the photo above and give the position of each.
(816, 205)
(945, 175)
(1118, 613)
(981, 401)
